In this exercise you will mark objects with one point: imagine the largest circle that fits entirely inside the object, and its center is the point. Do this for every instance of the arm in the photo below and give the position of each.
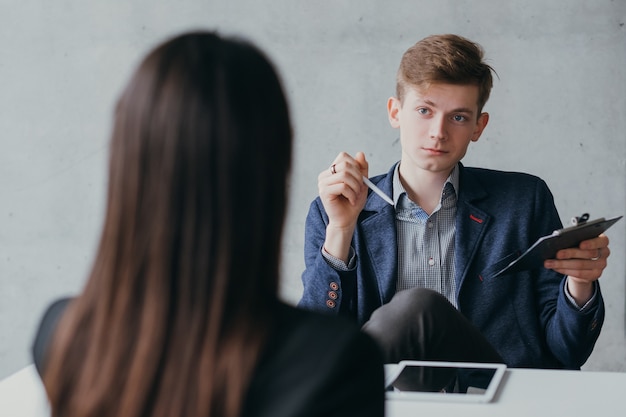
(320, 280)
(330, 227)
(571, 333)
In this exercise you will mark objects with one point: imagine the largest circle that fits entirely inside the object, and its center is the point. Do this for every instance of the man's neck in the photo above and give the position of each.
(424, 187)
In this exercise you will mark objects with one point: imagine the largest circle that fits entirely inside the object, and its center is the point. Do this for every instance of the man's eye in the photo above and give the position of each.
(422, 110)
(459, 118)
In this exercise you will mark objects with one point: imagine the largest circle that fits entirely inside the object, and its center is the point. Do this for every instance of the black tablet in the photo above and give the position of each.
(443, 381)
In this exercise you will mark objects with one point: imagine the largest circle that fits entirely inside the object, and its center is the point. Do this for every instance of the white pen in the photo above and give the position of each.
(377, 190)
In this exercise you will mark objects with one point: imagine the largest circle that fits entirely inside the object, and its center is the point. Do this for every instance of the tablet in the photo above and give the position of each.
(443, 381)
(547, 246)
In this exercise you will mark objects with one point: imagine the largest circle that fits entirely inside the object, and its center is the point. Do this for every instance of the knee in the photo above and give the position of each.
(410, 308)
(420, 300)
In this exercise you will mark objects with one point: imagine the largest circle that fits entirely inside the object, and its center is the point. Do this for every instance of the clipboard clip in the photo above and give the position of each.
(576, 221)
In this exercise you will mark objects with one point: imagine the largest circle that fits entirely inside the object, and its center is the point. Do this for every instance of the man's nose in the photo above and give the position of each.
(437, 128)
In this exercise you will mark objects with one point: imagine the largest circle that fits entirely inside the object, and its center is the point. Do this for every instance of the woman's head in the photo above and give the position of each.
(179, 302)
(200, 153)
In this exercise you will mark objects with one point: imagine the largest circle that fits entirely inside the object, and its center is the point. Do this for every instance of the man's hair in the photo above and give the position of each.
(449, 59)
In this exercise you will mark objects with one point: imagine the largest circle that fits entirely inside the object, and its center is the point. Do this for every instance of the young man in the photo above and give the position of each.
(419, 275)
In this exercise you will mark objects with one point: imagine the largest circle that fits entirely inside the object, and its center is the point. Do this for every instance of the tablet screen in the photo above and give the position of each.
(445, 381)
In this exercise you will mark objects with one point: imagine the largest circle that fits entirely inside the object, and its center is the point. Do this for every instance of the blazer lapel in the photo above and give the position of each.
(471, 223)
(378, 228)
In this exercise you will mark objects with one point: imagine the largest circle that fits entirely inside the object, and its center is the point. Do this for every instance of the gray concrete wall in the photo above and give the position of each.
(558, 110)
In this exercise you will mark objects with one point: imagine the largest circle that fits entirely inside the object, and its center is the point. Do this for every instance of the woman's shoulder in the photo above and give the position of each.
(46, 329)
(309, 324)
(317, 365)
(332, 339)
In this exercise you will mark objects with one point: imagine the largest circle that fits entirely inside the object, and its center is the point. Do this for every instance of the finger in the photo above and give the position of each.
(594, 253)
(344, 162)
(342, 183)
(333, 167)
(363, 164)
(597, 256)
(343, 157)
(345, 172)
(582, 268)
(339, 190)
(344, 178)
(602, 241)
(348, 171)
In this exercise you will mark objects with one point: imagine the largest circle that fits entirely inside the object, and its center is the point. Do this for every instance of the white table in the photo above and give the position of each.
(524, 392)
(22, 395)
(532, 393)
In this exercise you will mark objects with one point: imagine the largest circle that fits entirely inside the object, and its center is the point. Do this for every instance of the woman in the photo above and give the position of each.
(180, 315)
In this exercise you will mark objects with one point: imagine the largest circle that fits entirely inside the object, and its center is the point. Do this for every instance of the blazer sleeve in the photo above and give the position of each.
(326, 289)
(571, 334)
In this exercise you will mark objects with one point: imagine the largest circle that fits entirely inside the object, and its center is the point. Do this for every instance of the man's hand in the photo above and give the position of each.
(343, 195)
(582, 265)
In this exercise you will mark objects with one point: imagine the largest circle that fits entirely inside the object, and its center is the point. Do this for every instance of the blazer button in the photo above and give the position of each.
(330, 304)
(332, 295)
(334, 286)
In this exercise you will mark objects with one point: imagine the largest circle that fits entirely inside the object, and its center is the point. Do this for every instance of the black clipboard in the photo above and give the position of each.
(546, 247)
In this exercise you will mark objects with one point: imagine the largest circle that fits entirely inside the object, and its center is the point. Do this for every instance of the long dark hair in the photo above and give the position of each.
(180, 299)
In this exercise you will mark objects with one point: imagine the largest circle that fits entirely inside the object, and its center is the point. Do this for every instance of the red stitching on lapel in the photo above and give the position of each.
(476, 219)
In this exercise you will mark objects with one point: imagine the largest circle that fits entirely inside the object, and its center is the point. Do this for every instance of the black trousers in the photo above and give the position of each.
(420, 324)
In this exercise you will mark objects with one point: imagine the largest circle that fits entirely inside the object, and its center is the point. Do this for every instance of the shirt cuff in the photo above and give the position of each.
(339, 264)
(588, 303)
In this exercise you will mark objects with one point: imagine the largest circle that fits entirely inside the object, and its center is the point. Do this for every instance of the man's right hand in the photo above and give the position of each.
(343, 194)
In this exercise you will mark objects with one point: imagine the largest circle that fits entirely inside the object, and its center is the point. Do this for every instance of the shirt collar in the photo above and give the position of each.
(398, 189)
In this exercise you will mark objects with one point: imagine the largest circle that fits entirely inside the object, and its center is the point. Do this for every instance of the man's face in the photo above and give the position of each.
(436, 126)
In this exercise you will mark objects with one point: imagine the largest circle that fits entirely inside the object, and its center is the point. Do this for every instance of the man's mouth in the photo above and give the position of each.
(435, 151)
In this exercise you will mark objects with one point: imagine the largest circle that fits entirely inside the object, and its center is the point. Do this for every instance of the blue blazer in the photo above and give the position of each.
(526, 316)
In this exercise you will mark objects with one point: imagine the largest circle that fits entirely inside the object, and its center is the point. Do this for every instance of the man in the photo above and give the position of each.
(419, 275)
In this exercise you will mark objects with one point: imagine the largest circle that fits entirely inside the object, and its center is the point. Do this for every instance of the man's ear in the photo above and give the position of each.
(393, 108)
(481, 123)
